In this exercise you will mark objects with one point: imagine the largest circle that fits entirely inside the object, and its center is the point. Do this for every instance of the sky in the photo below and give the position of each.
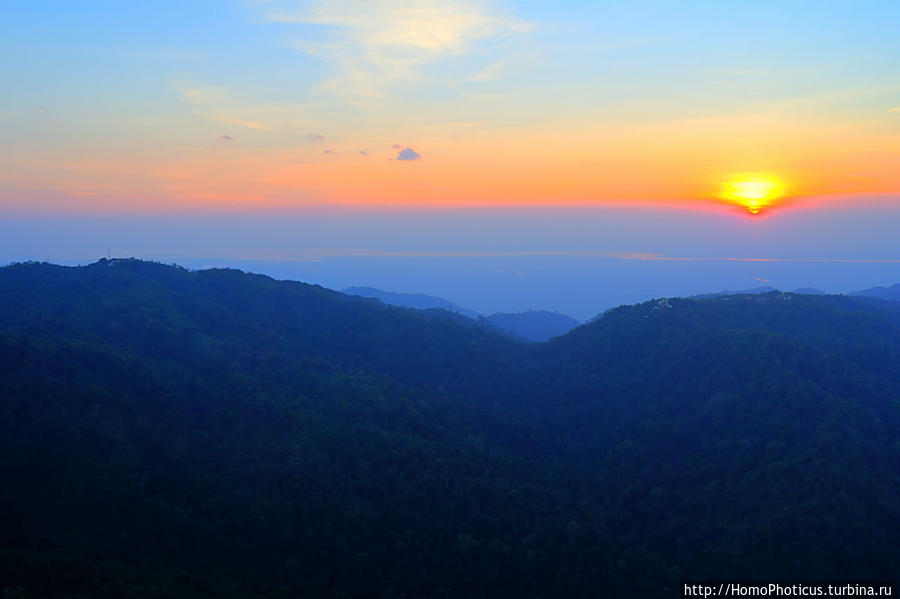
(459, 147)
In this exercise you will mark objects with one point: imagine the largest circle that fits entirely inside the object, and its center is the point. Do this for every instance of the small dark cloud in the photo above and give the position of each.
(315, 137)
(396, 146)
(363, 153)
(408, 154)
(226, 138)
(330, 152)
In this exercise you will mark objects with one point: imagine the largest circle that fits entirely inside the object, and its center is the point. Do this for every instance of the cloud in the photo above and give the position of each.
(330, 152)
(224, 106)
(490, 72)
(315, 137)
(323, 253)
(434, 27)
(408, 154)
(895, 109)
(396, 147)
(213, 103)
(375, 44)
(226, 138)
(363, 153)
(230, 121)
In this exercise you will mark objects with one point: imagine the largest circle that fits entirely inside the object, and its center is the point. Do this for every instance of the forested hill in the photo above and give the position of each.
(219, 434)
(533, 325)
(411, 300)
(891, 293)
(207, 317)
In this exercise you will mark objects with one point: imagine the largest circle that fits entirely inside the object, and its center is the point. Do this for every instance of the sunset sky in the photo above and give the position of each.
(329, 111)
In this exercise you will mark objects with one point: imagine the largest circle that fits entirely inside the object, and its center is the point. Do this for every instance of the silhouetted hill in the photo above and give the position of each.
(410, 300)
(755, 290)
(219, 434)
(804, 386)
(887, 293)
(534, 325)
(809, 291)
(139, 304)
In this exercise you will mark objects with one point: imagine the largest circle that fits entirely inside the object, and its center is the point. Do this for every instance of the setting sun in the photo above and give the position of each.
(753, 192)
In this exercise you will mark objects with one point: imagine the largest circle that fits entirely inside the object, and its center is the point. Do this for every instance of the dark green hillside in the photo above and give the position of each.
(249, 321)
(863, 332)
(321, 481)
(168, 433)
(757, 419)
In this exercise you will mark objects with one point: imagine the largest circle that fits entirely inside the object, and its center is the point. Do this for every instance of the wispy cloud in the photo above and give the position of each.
(895, 109)
(223, 106)
(375, 43)
(324, 253)
(490, 72)
(230, 121)
(435, 27)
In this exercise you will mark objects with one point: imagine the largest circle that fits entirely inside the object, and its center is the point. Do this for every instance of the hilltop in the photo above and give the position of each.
(532, 325)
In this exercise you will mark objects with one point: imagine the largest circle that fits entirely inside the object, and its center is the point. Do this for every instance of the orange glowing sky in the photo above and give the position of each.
(284, 103)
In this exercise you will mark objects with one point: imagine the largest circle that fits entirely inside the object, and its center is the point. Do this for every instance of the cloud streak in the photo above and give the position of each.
(375, 44)
(224, 106)
(230, 121)
(324, 253)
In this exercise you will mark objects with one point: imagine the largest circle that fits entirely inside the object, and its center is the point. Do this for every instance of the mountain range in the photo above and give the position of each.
(888, 293)
(419, 301)
(532, 325)
(167, 432)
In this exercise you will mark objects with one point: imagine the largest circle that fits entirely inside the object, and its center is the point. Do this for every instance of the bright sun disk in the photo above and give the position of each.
(753, 192)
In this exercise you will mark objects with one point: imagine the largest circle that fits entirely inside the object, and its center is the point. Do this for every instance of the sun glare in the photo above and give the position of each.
(753, 192)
